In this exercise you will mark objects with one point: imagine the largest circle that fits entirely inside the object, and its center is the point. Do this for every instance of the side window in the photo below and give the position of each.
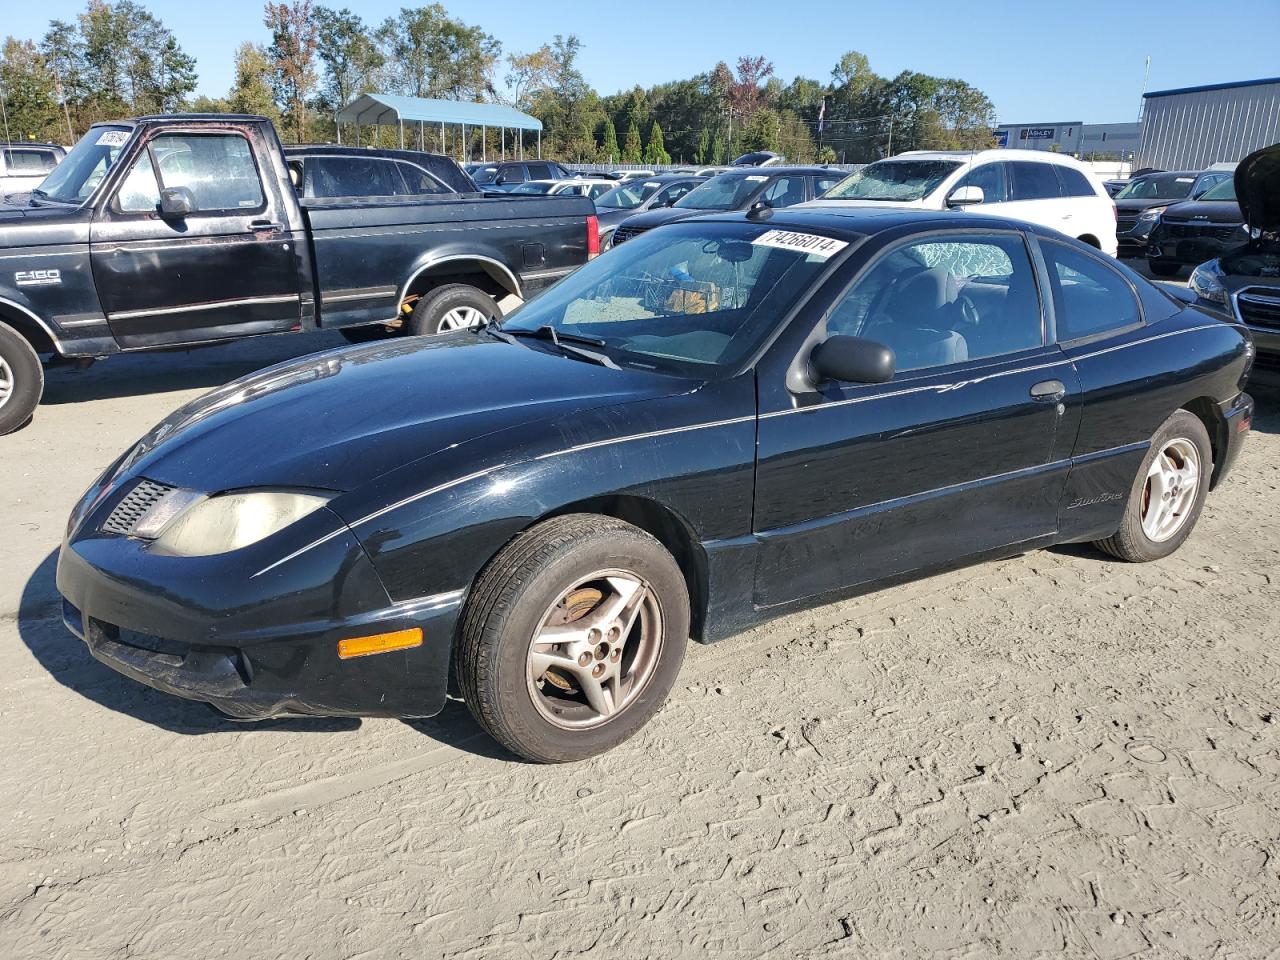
(139, 193)
(822, 184)
(540, 171)
(1033, 181)
(936, 301)
(990, 179)
(784, 192)
(1089, 297)
(353, 177)
(670, 194)
(420, 182)
(1075, 183)
(1208, 181)
(217, 168)
(512, 173)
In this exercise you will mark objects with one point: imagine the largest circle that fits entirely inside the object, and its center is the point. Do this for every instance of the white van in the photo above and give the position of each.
(23, 166)
(1039, 187)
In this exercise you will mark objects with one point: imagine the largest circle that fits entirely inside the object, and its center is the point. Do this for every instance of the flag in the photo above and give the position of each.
(822, 113)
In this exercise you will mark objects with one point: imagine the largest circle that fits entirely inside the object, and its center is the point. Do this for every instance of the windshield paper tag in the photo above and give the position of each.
(808, 243)
(112, 138)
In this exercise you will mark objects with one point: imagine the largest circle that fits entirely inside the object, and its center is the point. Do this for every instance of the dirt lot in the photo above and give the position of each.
(1056, 755)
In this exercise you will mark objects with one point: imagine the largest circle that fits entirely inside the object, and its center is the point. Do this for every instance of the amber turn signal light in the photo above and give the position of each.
(379, 643)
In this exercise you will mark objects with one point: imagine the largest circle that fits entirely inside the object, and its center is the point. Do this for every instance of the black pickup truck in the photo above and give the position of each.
(170, 231)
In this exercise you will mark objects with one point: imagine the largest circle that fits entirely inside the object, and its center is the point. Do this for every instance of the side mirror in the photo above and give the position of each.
(176, 202)
(964, 196)
(853, 360)
(499, 180)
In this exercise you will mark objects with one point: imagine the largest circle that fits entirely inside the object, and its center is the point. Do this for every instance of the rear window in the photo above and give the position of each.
(1089, 298)
(30, 162)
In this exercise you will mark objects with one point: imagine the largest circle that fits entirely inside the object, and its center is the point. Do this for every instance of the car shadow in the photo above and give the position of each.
(139, 374)
(1266, 406)
(69, 663)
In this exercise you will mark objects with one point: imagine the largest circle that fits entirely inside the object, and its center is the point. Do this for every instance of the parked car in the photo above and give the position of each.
(24, 165)
(759, 158)
(628, 199)
(319, 172)
(722, 421)
(1143, 199)
(736, 190)
(555, 188)
(1050, 189)
(186, 229)
(627, 176)
(1193, 231)
(507, 175)
(1244, 280)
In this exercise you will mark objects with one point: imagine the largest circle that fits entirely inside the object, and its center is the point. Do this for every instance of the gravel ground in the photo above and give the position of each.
(1055, 755)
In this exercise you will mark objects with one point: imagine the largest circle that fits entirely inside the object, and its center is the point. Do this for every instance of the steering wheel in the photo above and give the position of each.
(968, 310)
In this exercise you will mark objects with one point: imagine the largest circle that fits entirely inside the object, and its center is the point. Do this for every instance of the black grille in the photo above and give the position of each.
(145, 495)
(626, 233)
(1260, 306)
(1181, 230)
(1126, 223)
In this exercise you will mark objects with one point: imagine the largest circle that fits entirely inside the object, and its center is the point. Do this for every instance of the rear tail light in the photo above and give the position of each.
(593, 236)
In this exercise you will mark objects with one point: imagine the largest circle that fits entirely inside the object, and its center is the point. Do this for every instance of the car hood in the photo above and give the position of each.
(19, 222)
(1258, 188)
(339, 419)
(611, 216)
(656, 218)
(1139, 205)
(1212, 211)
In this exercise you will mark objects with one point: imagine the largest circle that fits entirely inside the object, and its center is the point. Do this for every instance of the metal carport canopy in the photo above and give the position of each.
(376, 109)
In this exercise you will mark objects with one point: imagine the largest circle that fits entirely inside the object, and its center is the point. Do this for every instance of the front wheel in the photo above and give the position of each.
(1168, 493)
(573, 636)
(21, 380)
(455, 306)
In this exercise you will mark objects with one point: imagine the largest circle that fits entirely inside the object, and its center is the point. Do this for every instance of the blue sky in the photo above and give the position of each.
(1038, 61)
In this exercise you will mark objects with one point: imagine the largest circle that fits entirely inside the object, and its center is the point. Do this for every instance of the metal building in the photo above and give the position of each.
(1116, 141)
(1193, 127)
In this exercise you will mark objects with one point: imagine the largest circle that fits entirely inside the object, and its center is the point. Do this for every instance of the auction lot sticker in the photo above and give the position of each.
(112, 138)
(810, 243)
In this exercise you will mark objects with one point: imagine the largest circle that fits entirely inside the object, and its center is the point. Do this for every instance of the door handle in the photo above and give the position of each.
(1049, 391)
(256, 226)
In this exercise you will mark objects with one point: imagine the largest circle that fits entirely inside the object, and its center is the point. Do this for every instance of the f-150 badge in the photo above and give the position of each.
(37, 278)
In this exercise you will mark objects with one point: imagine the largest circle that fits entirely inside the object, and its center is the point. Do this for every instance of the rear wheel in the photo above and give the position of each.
(1168, 493)
(21, 380)
(573, 636)
(1165, 268)
(455, 306)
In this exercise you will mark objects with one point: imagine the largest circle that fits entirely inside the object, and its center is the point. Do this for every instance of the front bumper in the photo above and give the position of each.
(257, 646)
(1187, 251)
(1132, 243)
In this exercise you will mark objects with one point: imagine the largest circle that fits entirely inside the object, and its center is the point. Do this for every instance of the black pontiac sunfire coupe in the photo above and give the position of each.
(720, 421)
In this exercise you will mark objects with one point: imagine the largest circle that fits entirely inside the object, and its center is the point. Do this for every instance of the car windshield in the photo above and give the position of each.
(729, 191)
(1157, 188)
(79, 174)
(484, 174)
(533, 187)
(1226, 190)
(893, 180)
(692, 299)
(629, 195)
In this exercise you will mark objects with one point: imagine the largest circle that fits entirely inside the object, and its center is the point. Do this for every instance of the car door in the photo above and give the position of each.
(993, 181)
(964, 452)
(227, 268)
(1035, 195)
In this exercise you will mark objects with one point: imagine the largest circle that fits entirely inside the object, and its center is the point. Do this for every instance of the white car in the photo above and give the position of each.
(23, 166)
(583, 187)
(1039, 187)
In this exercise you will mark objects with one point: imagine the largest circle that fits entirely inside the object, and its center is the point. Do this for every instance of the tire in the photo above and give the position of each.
(451, 307)
(1181, 441)
(548, 575)
(21, 380)
(1164, 268)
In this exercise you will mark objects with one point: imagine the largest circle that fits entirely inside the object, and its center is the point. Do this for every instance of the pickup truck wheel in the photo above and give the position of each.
(21, 380)
(572, 637)
(1168, 492)
(455, 306)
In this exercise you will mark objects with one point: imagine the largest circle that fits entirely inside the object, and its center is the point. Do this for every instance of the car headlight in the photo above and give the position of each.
(1204, 281)
(233, 520)
(1152, 214)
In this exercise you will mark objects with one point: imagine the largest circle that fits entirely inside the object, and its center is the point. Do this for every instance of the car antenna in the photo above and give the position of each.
(760, 210)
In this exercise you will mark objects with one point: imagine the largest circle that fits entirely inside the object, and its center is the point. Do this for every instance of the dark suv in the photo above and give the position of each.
(1194, 231)
(1142, 200)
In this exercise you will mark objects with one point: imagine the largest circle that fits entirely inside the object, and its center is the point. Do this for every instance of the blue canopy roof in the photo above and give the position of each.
(375, 109)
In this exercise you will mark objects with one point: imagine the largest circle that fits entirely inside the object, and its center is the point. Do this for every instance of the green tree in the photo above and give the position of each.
(632, 151)
(251, 91)
(349, 55)
(716, 155)
(30, 97)
(609, 151)
(704, 147)
(294, 37)
(430, 54)
(655, 152)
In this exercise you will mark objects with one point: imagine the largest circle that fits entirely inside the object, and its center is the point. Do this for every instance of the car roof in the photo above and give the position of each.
(1035, 156)
(776, 171)
(855, 222)
(12, 144)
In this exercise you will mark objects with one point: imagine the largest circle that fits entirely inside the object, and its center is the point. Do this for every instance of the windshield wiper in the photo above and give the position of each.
(565, 343)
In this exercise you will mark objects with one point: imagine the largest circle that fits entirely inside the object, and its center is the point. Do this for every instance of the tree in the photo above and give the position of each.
(609, 151)
(294, 37)
(716, 155)
(251, 91)
(704, 147)
(429, 54)
(656, 151)
(30, 97)
(529, 74)
(349, 55)
(631, 150)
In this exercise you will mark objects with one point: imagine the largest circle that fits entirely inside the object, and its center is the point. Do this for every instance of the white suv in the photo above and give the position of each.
(24, 165)
(1039, 187)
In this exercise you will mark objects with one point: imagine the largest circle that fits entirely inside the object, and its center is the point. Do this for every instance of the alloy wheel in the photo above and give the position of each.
(462, 318)
(6, 382)
(1169, 494)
